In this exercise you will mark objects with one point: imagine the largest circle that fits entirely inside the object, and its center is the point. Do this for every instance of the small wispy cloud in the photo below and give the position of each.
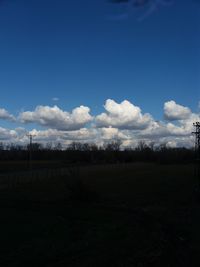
(147, 7)
(55, 99)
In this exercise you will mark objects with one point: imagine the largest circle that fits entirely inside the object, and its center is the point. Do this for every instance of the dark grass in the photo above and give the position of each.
(112, 215)
(8, 166)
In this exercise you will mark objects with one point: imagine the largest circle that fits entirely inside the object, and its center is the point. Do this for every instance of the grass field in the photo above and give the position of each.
(23, 165)
(107, 215)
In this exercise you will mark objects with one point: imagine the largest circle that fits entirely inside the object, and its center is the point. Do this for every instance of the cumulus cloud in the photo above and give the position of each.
(5, 115)
(84, 135)
(177, 132)
(52, 134)
(49, 135)
(123, 116)
(110, 133)
(160, 129)
(123, 121)
(56, 118)
(7, 135)
(173, 111)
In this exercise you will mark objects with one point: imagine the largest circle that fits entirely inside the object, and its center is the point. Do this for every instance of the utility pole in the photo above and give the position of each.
(197, 151)
(30, 136)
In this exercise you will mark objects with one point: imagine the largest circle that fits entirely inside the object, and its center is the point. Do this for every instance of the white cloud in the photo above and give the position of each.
(160, 129)
(122, 121)
(123, 116)
(46, 135)
(84, 135)
(173, 111)
(110, 133)
(5, 115)
(56, 118)
(55, 99)
(53, 134)
(7, 135)
(178, 133)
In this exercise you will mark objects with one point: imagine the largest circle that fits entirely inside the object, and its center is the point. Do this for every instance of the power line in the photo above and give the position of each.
(30, 136)
(197, 138)
(197, 151)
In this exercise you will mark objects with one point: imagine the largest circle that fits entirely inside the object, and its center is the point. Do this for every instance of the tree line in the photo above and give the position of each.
(90, 153)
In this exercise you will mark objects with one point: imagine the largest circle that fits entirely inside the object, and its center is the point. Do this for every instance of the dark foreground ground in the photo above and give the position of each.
(114, 215)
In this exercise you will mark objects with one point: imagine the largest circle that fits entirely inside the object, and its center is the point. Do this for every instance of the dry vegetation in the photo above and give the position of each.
(107, 215)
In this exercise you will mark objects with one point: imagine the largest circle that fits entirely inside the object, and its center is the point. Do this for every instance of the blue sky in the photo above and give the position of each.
(77, 52)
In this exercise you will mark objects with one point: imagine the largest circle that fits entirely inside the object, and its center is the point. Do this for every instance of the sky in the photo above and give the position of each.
(94, 71)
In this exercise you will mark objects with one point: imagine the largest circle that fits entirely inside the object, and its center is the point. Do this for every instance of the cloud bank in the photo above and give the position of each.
(124, 121)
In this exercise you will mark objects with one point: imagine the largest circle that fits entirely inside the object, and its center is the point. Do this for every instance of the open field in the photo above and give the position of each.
(108, 215)
(23, 165)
